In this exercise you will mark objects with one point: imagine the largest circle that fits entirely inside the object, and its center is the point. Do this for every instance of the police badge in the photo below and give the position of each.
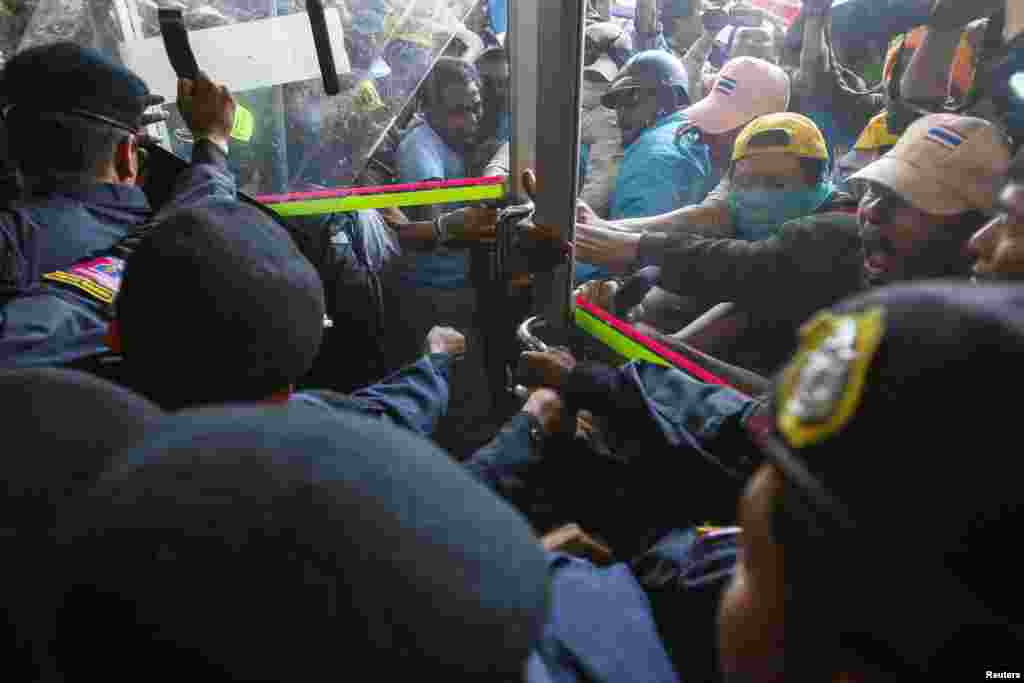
(822, 387)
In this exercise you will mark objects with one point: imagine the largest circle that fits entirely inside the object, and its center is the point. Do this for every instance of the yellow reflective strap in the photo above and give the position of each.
(316, 207)
(616, 341)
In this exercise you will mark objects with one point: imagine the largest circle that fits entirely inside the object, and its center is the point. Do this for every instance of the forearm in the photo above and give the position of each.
(927, 76)
(504, 463)
(646, 24)
(701, 219)
(813, 63)
(207, 177)
(694, 61)
(415, 397)
(414, 235)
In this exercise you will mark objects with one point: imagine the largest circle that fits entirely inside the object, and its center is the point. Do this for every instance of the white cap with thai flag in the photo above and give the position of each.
(746, 88)
(944, 164)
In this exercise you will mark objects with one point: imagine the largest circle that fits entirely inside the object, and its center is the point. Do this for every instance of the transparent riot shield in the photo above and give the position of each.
(297, 139)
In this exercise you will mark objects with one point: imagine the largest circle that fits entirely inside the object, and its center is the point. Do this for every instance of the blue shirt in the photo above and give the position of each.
(423, 155)
(658, 175)
(837, 139)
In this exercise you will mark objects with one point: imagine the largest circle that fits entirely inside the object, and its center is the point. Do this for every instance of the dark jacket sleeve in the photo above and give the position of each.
(810, 257)
(207, 177)
(651, 407)
(415, 397)
(19, 265)
(504, 463)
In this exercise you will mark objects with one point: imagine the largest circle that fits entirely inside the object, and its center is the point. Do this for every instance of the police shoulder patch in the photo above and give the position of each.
(821, 389)
(99, 278)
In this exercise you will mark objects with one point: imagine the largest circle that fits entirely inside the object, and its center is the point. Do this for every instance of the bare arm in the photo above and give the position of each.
(700, 219)
(694, 61)
(647, 18)
(812, 57)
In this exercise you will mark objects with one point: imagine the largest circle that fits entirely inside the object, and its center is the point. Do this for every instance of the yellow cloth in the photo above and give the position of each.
(876, 134)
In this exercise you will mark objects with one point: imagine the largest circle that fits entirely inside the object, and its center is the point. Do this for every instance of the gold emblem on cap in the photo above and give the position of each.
(823, 385)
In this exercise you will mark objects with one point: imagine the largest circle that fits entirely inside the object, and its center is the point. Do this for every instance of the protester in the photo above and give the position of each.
(495, 76)
(607, 51)
(743, 41)
(825, 87)
(951, 46)
(648, 95)
(681, 24)
(779, 173)
(434, 286)
(938, 182)
(925, 198)
(750, 88)
(246, 322)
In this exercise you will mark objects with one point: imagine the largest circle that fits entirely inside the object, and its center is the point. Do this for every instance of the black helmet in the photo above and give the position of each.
(652, 69)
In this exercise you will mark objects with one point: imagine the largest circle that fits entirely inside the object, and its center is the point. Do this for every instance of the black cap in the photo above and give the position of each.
(62, 428)
(218, 304)
(292, 544)
(67, 78)
(895, 425)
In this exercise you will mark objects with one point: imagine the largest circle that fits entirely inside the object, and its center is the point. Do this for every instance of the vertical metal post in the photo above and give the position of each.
(553, 31)
(278, 131)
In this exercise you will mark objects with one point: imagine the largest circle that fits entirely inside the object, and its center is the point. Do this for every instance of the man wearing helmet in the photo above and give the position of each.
(674, 158)
(648, 96)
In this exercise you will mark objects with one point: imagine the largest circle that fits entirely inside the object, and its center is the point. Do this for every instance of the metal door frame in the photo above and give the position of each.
(545, 45)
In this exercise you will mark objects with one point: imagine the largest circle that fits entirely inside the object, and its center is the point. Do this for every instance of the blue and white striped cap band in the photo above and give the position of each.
(725, 85)
(947, 137)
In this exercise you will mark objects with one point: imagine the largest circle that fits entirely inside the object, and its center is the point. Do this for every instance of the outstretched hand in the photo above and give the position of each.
(616, 250)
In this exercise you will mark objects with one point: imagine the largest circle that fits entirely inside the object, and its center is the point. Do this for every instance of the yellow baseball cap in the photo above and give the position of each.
(875, 135)
(796, 135)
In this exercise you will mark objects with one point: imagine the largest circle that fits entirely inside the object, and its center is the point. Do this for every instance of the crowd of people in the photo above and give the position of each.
(233, 436)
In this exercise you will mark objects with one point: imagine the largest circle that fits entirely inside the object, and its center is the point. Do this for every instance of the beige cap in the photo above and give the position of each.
(746, 88)
(944, 164)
